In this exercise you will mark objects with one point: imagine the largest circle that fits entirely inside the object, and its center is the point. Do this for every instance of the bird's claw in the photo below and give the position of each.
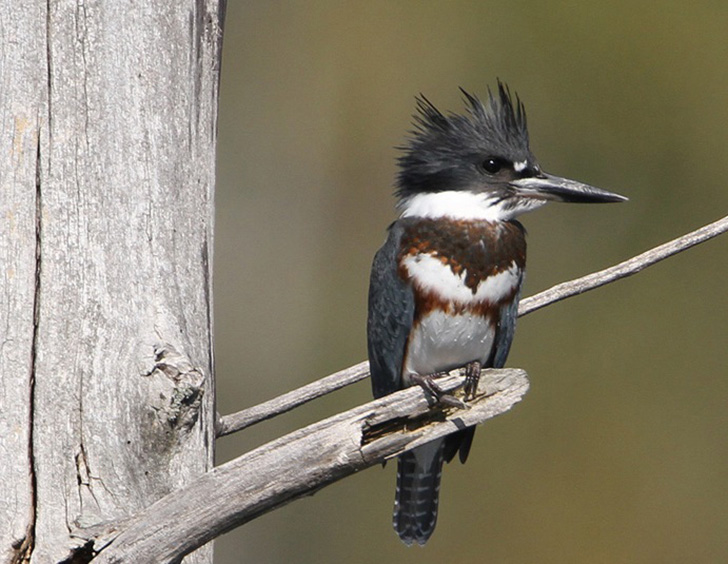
(472, 377)
(428, 384)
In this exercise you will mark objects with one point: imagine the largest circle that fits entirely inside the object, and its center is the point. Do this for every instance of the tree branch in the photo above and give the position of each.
(301, 463)
(623, 269)
(247, 417)
(288, 401)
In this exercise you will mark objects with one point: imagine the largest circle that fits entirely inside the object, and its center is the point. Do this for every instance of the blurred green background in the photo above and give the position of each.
(619, 452)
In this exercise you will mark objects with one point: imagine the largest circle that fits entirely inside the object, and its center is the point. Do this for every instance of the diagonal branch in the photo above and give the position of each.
(247, 417)
(299, 464)
(623, 269)
(288, 401)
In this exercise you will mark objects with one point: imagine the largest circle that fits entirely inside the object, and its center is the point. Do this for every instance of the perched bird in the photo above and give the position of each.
(445, 285)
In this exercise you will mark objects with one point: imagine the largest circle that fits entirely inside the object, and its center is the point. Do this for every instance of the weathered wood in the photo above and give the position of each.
(299, 464)
(245, 418)
(623, 269)
(107, 402)
(23, 77)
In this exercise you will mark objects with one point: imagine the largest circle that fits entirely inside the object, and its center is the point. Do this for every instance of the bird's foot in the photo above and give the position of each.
(472, 377)
(428, 384)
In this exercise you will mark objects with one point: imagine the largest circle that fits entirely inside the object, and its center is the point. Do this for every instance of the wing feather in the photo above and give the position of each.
(391, 312)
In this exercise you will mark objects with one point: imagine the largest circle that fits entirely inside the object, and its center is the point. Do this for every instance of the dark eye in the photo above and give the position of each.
(492, 165)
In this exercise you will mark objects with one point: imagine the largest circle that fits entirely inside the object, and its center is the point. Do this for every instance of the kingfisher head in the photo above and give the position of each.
(478, 165)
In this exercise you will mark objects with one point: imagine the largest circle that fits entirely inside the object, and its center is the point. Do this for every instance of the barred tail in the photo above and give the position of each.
(418, 487)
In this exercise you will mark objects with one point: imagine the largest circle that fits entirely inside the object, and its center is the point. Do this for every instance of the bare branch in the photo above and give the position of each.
(242, 419)
(271, 408)
(623, 269)
(301, 462)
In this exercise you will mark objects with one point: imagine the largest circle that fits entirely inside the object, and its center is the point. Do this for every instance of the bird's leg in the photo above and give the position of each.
(427, 383)
(472, 377)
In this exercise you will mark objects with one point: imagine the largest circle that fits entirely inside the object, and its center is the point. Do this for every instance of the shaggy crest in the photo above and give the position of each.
(443, 149)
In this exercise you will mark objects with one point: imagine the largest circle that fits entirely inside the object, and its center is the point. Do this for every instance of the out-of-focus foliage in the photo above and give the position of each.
(619, 451)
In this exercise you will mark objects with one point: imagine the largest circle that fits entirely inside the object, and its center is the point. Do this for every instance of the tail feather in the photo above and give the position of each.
(418, 487)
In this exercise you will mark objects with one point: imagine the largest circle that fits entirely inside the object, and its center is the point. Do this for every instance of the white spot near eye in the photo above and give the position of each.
(520, 166)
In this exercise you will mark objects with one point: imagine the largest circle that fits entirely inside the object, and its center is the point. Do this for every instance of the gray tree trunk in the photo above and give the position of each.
(108, 112)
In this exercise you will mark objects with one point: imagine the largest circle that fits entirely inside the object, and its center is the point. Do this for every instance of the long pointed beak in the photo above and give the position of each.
(548, 187)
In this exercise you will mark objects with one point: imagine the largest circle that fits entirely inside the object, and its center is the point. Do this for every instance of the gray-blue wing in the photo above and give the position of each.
(391, 311)
(505, 330)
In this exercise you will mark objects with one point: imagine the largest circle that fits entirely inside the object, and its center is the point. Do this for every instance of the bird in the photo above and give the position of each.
(445, 286)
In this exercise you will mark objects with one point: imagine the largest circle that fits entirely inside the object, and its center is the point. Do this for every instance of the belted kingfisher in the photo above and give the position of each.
(445, 285)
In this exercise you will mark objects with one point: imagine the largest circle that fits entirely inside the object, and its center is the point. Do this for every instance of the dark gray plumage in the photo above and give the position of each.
(391, 311)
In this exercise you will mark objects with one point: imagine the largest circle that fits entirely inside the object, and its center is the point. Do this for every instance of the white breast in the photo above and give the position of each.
(443, 342)
(429, 274)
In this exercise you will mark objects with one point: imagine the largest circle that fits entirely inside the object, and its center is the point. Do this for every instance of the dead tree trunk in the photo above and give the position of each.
(108, 111)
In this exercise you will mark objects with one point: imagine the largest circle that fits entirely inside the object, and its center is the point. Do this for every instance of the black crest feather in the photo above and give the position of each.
(441, 149)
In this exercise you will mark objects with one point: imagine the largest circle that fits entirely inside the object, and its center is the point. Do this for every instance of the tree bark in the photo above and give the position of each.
(108, 115)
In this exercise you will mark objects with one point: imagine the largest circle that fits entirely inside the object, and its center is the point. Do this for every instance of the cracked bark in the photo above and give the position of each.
(106, 395)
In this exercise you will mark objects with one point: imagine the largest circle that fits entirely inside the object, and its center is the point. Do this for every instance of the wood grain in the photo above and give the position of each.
(109, 115)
